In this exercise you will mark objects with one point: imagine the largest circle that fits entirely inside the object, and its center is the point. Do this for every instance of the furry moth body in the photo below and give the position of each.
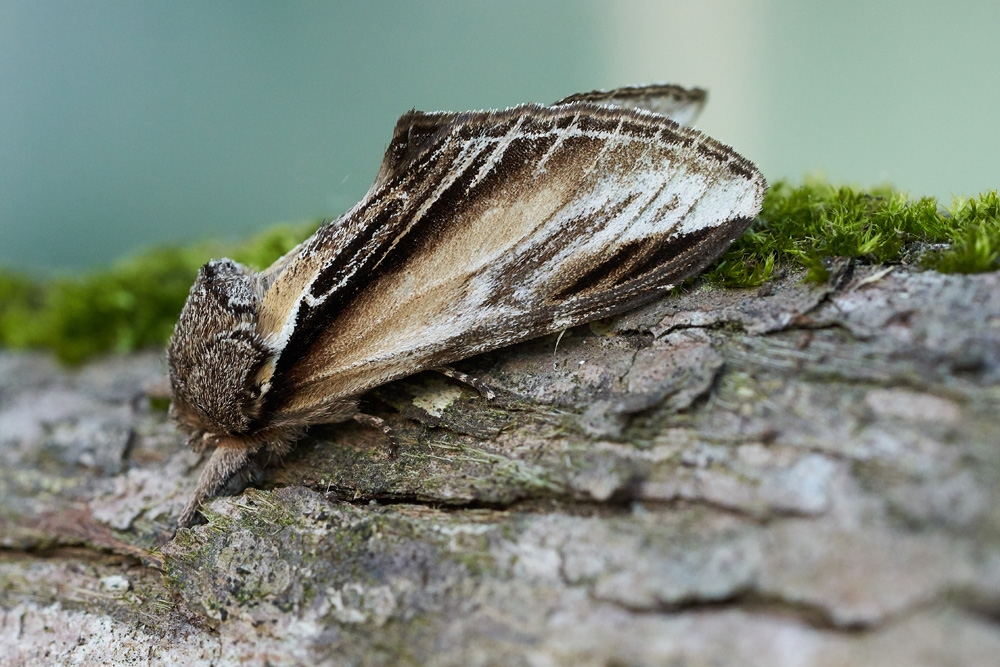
(482, 229)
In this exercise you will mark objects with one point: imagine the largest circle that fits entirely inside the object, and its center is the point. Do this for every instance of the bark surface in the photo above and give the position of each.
(797, 475)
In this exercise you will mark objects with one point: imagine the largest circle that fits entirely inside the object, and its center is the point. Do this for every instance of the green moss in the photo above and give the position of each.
(803, 226)
(132, 305)
(135, 303)
(973, 235)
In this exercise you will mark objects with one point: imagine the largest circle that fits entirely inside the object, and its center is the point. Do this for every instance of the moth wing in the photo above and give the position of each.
(413, 131)
(500, 227)
(679, 104)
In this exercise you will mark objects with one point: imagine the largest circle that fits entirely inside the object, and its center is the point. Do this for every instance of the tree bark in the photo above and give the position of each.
(796, 475)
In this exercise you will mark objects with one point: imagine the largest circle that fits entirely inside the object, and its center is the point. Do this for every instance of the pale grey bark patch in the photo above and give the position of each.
(809, 476)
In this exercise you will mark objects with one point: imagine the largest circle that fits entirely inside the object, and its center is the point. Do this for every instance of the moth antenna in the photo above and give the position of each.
(225, 466)
(381, 424)
(484, 389)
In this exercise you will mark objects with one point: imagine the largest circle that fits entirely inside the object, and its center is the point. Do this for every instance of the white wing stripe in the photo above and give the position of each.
(540, 167)
(498, 152)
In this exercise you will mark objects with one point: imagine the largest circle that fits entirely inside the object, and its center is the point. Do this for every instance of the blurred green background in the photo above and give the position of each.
(125, 125)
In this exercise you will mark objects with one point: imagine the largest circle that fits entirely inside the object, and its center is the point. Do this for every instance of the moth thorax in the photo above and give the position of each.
(216, 353)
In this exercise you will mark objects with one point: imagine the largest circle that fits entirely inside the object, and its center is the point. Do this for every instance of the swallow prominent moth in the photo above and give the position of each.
(482, 229)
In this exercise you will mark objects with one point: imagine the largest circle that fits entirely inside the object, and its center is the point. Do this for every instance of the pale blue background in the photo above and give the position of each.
(125, 124)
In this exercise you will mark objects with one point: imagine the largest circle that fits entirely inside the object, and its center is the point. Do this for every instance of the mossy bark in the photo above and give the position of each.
(801, 474)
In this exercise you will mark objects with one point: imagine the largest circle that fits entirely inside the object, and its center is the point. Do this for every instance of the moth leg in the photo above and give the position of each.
(229, 468)
(379, 423)
(484, 389)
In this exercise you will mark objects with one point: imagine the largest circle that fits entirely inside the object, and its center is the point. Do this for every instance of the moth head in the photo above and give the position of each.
(219, 363)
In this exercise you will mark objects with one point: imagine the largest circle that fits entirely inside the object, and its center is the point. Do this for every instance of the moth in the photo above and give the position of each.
(482, 229)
